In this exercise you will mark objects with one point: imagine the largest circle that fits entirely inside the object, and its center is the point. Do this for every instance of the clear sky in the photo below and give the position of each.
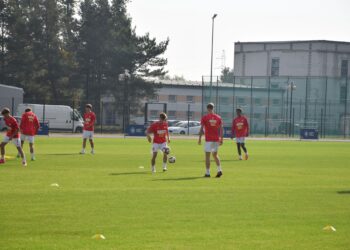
(188, 25)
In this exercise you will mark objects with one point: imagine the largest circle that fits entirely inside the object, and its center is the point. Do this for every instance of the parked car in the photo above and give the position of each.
(3, 126)
(183, 127)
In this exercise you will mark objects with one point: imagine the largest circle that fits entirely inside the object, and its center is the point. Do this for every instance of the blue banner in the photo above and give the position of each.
(309, 134)
(136, 130)
(44, 128)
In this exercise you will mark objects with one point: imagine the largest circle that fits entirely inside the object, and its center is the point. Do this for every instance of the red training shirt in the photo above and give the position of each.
(211, 124)
(11, 122)
(159, 130)
(240, 126)
(89, 121)
(29, 124)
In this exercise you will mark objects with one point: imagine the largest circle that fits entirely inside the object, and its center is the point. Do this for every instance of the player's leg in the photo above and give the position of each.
(85, 137)
(2, 150)
(165, 157)
(92, 145)
(23, 138)
(17, 142)
(217, 159)
(239, 150)
(207, 164)
(153, 161)
(245, 150)
(31, 147)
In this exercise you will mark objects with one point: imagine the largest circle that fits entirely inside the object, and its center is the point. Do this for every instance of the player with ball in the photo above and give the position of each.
(160, 133)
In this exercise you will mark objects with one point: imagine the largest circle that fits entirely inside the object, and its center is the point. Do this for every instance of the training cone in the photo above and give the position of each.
(54, 185)
(98, 237)
(329, 228)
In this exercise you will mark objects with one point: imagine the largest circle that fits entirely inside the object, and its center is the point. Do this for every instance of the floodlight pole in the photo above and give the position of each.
(211, 58)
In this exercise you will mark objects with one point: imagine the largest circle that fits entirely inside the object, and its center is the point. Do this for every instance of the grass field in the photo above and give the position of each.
(280, 198)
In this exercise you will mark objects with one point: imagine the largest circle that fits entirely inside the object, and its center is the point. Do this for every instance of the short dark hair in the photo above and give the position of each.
(5, 111)
(210, 105)
(27, 110)
(88, 106)
(163, 116)
(239, 109)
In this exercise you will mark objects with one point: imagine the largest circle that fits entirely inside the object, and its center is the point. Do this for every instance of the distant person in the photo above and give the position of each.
(160, 133)
(240, 130)
(13, 135)
(88, 130)
(213, 129)
(29, 128)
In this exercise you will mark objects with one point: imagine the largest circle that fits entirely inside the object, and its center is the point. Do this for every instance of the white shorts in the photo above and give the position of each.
(88, 134)
(29, 138)
(16, 141)
(158, 146)
(211, 146)
(240, 139)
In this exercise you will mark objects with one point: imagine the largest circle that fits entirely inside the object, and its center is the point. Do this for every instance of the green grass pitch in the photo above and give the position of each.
(281, 198)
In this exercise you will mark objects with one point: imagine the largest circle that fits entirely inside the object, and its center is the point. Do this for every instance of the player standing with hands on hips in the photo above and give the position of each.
(29, 128)
(240, 130)
(88, 131)
(213, 129)
(160, 133)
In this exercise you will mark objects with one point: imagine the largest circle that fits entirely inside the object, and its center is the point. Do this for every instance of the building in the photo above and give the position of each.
(319, 58)
(10, 97)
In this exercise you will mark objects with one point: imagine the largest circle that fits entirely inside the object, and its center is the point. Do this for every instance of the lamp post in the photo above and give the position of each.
(292, 87)
(211, 58)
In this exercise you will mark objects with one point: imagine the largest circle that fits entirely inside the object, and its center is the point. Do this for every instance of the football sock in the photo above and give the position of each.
(207, 172)
(164, 165)
(244, 148)
(2, 157)
(219, 168)
(239, 148)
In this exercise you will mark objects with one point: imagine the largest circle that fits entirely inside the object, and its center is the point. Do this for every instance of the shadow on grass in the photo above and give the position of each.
(179, 179)
(63, 154)
(344, 192)
(129, 173)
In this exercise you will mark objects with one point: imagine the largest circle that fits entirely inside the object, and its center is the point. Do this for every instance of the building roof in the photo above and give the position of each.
(11, 87)
(296, 41)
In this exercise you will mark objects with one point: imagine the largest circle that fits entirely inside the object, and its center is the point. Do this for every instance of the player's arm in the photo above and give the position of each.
(148, 134)
(167, 134)
(21, 126)
(221, 133)
(201, 131)
(36, 124)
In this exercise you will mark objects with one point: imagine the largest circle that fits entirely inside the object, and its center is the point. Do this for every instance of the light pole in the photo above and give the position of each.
(211, 58)
(292, 87)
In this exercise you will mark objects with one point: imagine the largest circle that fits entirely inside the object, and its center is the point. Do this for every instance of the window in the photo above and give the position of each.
(224, 115)
(275, 67)
(276, 102)
(190, 114)
(172, 114)
(275, 116)
(190, 99)
(257, 101)
(257, 116)
(155, 98)
(154, 114)
(224, 100)
(240, 100)
(172, 98)
(344, 68)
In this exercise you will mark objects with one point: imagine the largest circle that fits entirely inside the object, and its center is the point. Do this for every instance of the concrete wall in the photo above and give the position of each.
(307, 58)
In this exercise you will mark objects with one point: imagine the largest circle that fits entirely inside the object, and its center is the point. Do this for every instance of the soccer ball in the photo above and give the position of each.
(172, 159)
(166, 150)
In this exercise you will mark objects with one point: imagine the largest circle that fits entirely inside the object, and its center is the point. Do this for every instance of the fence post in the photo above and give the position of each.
(13, 106)
(251, 102)
(73, 116)
(188, 120)
(202, 95)
(325, 109)
(101, 115)
(346, 106)
(268, 105)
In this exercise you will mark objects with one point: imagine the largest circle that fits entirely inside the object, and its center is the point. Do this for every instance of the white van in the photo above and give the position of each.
(60, 117)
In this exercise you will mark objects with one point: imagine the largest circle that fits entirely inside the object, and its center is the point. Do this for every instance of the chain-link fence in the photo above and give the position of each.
(282, 106)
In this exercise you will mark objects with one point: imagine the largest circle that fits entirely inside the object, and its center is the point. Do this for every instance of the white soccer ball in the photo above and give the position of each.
(172, 159)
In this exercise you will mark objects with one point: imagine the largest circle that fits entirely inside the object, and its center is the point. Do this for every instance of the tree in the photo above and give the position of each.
(227, 75)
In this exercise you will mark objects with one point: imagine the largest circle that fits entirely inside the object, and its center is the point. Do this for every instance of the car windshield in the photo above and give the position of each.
(181, 125)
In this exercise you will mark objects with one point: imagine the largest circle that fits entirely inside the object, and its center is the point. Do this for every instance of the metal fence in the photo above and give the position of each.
(282, 106)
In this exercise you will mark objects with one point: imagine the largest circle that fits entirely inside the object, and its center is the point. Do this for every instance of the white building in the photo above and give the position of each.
(319, 58)
(10, 96)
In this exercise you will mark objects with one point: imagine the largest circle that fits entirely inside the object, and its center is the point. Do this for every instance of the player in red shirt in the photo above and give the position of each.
(29, 128)
(88, 130)
(212, 126)
(240, 130)
(11, 135)
(160, 133)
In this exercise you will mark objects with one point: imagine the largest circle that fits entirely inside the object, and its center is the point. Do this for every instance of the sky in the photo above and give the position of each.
(188, 24)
